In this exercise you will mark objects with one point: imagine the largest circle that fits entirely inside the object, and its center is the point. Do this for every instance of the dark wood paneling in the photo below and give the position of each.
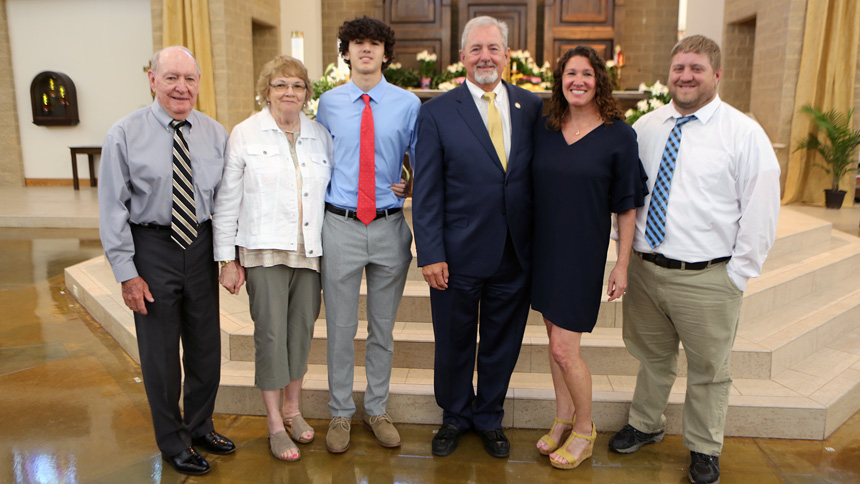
(419, 25)
(568, 23)
(519, 15)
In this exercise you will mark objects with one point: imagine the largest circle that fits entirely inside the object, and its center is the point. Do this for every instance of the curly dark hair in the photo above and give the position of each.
(606, 104)
(366, 28)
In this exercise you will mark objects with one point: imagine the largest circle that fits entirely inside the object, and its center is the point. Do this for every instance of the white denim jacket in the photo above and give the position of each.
(256, 205)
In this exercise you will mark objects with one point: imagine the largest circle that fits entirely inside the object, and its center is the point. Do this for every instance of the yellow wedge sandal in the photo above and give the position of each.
(548, 440)
(586, 453)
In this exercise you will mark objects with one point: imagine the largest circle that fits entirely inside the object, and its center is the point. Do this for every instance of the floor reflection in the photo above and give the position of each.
(73, 410)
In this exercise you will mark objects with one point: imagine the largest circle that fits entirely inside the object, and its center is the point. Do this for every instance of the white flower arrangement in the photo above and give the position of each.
(427, 63)
(425, 55)
(527, 74)
(658, 96)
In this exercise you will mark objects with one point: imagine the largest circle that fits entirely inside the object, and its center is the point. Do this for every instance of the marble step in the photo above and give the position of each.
(785, 277)
(795, 232)
(761, 350)
(808, 401)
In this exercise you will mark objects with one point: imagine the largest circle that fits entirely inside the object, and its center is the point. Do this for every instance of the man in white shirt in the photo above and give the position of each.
(704, 231)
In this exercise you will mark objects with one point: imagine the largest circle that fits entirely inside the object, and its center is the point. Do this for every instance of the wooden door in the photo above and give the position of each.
(419, 25)
(519, 15)
(568, 23)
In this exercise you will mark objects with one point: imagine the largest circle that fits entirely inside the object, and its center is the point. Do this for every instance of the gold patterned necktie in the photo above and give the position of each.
(494, 125)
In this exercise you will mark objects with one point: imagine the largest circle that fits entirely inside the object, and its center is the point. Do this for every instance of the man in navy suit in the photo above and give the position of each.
(472, 215)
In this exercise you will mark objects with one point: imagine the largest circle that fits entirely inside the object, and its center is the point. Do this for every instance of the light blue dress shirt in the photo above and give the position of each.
(395, 112)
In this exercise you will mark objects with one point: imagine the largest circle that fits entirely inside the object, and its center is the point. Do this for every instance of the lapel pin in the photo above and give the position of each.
(517, 105)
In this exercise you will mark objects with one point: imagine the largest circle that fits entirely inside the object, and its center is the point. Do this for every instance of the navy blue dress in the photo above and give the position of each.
(576, 188)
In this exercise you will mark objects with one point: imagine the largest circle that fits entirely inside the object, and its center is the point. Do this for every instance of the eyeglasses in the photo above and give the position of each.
(297, 88)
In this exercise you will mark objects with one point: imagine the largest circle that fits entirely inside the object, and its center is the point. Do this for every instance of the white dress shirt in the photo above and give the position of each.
(256, 206)
(724, 198)
(502, 104)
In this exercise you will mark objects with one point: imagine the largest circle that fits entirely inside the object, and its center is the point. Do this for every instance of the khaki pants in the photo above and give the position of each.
(701, 310)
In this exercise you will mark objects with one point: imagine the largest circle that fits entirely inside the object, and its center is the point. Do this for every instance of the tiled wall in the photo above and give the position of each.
(737, 53)
(11, 163)
(649, 31)
(772, 81)
(335, 13)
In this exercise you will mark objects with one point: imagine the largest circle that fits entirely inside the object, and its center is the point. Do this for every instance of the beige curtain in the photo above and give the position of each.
(186, 22)
(827, 69)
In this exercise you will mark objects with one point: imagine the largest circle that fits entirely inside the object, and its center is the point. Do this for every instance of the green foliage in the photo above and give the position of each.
(841, 142)
(398, 76)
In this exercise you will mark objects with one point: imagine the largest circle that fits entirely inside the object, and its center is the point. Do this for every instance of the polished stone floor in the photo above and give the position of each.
(73, 409)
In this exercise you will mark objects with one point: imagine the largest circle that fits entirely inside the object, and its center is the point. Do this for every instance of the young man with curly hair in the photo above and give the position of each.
(373, 125)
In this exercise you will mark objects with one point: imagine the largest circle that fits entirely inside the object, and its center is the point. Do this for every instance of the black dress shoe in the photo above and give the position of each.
(215, 443)
(495, 442)
(446, 439)
(189, 462)
(704, 469)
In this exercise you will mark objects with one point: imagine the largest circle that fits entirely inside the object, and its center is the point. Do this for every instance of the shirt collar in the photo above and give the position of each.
(376, 94)
(703, 114)
(267, 123)
(164, 119)
(477, 92)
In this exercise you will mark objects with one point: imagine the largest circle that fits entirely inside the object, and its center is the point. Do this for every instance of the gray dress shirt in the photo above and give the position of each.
(136, 177)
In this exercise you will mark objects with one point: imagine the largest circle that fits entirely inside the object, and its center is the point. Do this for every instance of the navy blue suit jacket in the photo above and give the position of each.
(464, 202)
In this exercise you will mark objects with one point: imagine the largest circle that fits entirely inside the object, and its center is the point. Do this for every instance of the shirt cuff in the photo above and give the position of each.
(125, 271)
(739, 280)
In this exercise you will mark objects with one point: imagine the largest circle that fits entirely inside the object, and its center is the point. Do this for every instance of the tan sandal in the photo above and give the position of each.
(549, 441)
(280, 443)
(297, 426)
(586, 452)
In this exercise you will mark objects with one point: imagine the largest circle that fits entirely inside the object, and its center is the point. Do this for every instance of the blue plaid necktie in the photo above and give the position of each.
(183, 220)
(655, 224)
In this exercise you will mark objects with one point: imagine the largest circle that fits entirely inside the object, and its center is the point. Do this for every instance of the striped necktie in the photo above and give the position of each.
(494, 126)
(655, 224)
(183, 220)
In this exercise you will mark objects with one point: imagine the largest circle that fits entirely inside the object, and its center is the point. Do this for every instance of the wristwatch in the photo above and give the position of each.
(223, 263)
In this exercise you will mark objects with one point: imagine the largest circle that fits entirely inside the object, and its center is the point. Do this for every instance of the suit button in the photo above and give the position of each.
(506, 183)
(504, 212)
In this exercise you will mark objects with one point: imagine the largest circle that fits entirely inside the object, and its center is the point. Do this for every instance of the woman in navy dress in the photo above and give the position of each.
(586, 167)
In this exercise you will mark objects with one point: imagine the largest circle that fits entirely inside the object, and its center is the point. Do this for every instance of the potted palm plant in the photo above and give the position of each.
(837, 152)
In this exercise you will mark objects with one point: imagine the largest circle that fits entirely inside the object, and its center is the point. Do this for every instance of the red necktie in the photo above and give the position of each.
(366, 168)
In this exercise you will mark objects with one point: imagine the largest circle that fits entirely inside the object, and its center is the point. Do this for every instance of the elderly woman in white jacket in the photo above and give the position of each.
(267, 226)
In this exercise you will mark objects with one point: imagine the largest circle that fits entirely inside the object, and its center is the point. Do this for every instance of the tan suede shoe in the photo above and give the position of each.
(383, 430)
(337, 437)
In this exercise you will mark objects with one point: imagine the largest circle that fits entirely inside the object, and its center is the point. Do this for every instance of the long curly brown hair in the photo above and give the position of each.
(606, 104)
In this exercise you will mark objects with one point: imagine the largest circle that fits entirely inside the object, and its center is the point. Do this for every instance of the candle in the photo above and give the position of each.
(298, 45)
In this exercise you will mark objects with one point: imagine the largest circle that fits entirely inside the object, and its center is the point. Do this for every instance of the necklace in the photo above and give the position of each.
(578, 130)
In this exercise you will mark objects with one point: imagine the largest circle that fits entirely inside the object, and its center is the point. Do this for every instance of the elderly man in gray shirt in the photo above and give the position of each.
(159, 171)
